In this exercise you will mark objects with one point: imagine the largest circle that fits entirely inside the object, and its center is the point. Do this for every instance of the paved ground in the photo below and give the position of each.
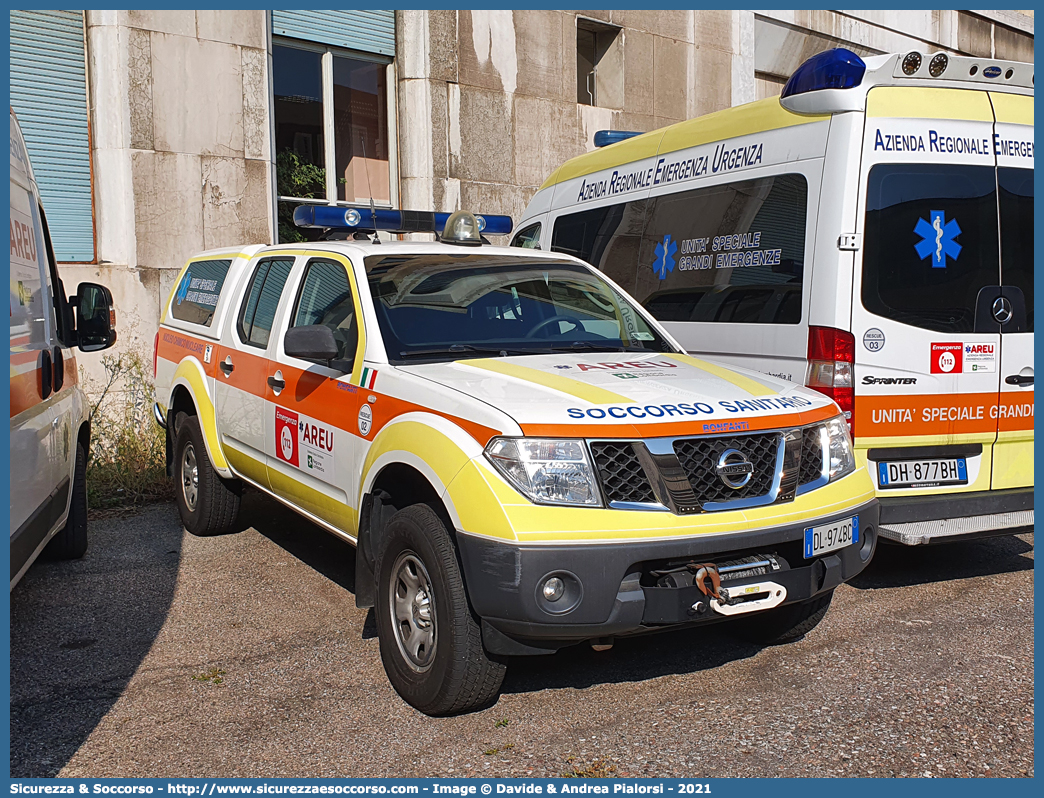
(160, 654)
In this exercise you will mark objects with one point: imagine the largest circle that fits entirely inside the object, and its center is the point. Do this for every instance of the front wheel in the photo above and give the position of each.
(70, 542)
(431, 645)
(786, 624)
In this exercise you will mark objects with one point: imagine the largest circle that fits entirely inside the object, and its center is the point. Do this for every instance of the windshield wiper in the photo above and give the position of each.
(467, 349)
(597, 347)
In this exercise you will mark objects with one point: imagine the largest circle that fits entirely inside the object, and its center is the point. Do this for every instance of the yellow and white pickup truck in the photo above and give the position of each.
(524, 458)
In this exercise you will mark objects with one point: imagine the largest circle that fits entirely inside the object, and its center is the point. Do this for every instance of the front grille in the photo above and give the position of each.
(699, 459)
(811, 456)
(623, 478)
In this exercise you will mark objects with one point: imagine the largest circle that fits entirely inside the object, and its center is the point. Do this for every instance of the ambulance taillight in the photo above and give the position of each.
(831, 359)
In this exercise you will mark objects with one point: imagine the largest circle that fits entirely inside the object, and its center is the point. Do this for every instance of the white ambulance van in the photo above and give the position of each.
(869, 234)
(50, 419)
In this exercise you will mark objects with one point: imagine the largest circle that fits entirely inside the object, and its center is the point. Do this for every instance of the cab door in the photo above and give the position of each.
(243, 368)
(927, 346)
(312, 407)
(1013, 146)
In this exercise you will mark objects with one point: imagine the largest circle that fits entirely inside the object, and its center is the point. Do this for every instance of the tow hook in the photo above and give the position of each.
(709, 572)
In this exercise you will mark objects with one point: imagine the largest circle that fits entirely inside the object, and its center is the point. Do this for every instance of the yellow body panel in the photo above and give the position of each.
(1015, 109)
(912, 102)
(741, 381)
(1013, 464)
(190, 370)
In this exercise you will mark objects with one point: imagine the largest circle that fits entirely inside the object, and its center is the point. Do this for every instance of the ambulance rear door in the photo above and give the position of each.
(927, 362)
(1013, 146)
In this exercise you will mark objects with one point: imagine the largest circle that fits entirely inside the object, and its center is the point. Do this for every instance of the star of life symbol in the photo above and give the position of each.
(937, 239)
(664, 257)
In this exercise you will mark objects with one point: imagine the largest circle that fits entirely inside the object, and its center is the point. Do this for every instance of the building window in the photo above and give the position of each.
(331, 129)
(599, 64)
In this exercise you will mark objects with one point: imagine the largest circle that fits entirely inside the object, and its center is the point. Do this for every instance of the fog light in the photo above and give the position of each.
(554, 589)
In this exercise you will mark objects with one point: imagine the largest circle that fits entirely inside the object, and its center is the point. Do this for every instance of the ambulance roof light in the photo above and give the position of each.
(603, 138)
(837, 68)
(331, 217)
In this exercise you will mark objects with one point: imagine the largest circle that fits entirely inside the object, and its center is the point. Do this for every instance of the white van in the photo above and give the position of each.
(869, 234)
(50, 424)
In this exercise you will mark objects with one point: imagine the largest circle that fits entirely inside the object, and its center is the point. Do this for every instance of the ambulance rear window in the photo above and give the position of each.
(199, 290)
(930, 243)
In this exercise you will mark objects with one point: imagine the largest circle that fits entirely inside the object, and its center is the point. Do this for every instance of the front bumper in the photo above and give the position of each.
(918, 520)
(609, 590)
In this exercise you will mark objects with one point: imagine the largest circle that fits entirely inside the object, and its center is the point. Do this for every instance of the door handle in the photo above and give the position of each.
(276, 384)
(226, 366)
(1018, 379)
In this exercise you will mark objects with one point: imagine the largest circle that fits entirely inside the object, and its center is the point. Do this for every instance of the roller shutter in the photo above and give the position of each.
(365, 31)
(49, 95)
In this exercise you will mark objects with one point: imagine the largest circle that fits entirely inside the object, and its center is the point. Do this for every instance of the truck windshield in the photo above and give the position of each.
(436, 307)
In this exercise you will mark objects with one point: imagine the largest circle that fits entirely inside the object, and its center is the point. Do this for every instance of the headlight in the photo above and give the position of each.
(546, 471)
(840, 459)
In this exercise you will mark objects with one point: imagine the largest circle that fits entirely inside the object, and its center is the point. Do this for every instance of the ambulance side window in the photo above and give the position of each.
(528, 238)
(199, 290)
(609, 238)
(326, 298)
(259, 309)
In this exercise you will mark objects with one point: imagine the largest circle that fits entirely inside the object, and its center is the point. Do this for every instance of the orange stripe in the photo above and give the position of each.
(25, 391)
(676, 428)
(946, 414)
(1015, 411)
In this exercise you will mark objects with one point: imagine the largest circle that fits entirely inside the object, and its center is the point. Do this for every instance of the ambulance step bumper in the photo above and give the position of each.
(947, 529)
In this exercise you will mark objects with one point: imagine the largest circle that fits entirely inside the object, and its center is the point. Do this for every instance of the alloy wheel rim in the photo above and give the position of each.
(412, 604)
(190, 478)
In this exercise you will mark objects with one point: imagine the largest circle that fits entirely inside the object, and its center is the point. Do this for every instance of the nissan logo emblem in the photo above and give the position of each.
(1002, 310)
(734, 469)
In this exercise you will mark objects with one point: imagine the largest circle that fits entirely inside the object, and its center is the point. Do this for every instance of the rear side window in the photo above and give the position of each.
(199, 290)
(930, 243)
(258, 314)
(731, 253)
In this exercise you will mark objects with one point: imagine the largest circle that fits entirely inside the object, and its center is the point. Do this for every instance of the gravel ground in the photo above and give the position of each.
(160, 654)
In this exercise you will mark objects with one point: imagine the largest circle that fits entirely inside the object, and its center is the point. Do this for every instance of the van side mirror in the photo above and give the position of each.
(310, 342)
(95, 317)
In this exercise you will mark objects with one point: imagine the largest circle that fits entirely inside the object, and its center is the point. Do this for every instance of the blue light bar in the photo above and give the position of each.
(330, 217)
(603, 138)
(833, 69)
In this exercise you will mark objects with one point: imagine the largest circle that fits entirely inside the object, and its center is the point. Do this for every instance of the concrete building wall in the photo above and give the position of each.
(180, 105)
(180, 144)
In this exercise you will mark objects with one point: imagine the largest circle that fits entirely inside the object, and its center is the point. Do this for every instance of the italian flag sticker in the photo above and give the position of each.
(368, 378)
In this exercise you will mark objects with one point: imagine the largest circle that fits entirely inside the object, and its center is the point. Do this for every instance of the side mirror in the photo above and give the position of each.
(95, 317)
(310, 342)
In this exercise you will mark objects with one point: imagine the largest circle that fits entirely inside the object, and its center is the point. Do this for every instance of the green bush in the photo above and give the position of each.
(127, 464)
(296, 178)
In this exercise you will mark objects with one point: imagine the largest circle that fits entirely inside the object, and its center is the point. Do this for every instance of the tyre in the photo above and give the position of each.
(207, 503)
(431, 644)
(70, 542)
(786, 624)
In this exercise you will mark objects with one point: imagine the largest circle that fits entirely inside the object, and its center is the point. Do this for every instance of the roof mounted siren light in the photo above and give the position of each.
(331, 217)
(837, 68)
(463, 228)
(603, 138)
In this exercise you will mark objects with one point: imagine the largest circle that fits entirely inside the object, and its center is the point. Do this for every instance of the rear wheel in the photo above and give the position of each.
(208, 504)
(70, 542)
(431, 644)
(786, 624)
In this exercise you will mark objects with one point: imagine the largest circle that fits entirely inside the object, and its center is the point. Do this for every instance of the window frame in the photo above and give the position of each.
(245, 339)
(291, 320)
(327, 53)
